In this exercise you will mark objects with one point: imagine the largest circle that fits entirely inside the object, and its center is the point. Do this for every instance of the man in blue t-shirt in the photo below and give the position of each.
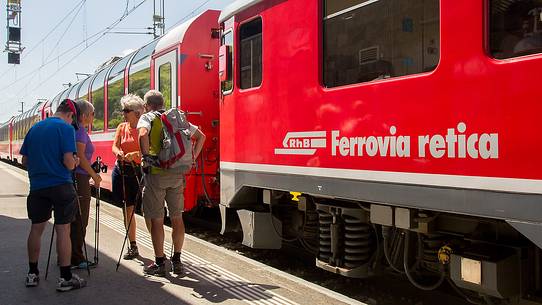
(49, 154)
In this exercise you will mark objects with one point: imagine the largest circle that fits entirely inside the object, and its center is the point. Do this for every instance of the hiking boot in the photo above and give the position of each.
(84, 265)
(177, 267)
(32, 280)
(75, 283)
(131, 253)
(154, 269)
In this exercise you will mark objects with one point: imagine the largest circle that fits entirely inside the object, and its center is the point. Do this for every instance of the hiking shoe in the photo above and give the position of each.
(154, 269)
(177, 267)
(32, 280)
(131, 253)
(84, 265)
(75, 283)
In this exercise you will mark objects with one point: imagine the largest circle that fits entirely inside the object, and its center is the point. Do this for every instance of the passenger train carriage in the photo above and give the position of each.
(379, 135)
(182, 65)
(399, 122)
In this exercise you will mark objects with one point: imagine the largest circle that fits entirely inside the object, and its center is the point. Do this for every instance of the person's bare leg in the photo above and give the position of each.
(157, 235)
(177, 233)
(34, 241)
(148, 224)
(132, 226)
(63, 244)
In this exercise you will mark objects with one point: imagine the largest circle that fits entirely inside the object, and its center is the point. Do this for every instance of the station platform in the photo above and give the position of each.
(213, 275)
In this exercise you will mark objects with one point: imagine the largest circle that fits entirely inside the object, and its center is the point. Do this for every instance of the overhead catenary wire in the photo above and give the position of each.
(34, 47)
(65, 31)
(98, 34)
(82, 3)
(189, 14)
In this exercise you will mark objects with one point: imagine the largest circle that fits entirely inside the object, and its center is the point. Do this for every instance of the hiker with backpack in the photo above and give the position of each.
(168, 154)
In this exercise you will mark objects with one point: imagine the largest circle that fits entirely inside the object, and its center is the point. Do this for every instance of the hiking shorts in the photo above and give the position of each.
(61, 198)
(131, 177)
(167, 185)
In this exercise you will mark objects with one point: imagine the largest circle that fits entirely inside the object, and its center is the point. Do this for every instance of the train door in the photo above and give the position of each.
(165, 78)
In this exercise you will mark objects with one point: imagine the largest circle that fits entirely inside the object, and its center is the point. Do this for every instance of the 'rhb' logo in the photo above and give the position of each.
(302, 143)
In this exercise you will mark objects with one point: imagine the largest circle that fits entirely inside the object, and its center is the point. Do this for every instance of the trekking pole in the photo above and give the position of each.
(97, 226)
(140, 185)
(122, 172)
(49, 255)
(98, 167)
(81, 218)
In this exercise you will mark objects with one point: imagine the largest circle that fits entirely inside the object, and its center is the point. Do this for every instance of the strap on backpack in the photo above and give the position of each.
(177, 135)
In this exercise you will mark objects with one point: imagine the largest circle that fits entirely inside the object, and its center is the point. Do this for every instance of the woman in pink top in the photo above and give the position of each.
(127, 172)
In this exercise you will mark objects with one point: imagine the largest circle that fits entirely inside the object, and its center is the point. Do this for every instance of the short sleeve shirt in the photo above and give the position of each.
(81, 136)
(44, 147)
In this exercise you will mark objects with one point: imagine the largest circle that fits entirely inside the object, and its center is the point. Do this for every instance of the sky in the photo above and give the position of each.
(58, 40)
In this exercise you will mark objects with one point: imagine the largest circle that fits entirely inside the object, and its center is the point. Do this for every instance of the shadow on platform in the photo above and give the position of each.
(105, 286)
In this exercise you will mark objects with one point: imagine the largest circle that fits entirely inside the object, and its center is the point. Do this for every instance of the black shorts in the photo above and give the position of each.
(131, 177)
(61, 198)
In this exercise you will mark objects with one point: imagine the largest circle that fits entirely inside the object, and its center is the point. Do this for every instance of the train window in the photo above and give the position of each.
(367, 40)
(250, 54)
(515, 28)
(56, 102)
(65, 93)
(73, 92)
(70, 90)
(115, 91)
(227, 40)
(82, 93)
(139, 78)
(97, 96)
(164, 83)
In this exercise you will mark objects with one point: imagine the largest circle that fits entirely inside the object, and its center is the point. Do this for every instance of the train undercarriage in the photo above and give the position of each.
(486, 261)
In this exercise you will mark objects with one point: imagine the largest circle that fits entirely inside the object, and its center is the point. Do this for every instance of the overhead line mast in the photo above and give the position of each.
(13, 44)
(158, 20)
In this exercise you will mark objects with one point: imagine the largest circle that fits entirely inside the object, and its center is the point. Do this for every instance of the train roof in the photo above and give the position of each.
(235, 8)
(176, 34)
(30, 112)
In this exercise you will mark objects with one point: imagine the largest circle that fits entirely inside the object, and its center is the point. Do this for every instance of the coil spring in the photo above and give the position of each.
(324, 251)
(358, 242)
(310, 229)
(431, 245)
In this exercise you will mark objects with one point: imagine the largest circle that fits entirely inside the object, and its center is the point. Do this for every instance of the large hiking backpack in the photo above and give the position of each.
(176, 146)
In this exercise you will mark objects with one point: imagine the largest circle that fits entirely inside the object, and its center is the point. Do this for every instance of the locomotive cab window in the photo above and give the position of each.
(368, 40)
(515, 28)
(250, 54)
(227, 81)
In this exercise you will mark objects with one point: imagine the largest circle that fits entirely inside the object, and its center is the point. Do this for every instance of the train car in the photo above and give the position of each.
(182, 64)
(12, 132)
(5, 139)
(387, 133)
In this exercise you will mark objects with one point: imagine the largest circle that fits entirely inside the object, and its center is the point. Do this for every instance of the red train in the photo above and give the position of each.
(377, 134)
(170, 64)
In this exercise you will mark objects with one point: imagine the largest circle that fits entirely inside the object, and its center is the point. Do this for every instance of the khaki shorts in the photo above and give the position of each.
(167, 185)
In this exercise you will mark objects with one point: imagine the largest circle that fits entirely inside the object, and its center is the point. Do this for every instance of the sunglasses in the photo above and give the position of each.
(127, 110)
